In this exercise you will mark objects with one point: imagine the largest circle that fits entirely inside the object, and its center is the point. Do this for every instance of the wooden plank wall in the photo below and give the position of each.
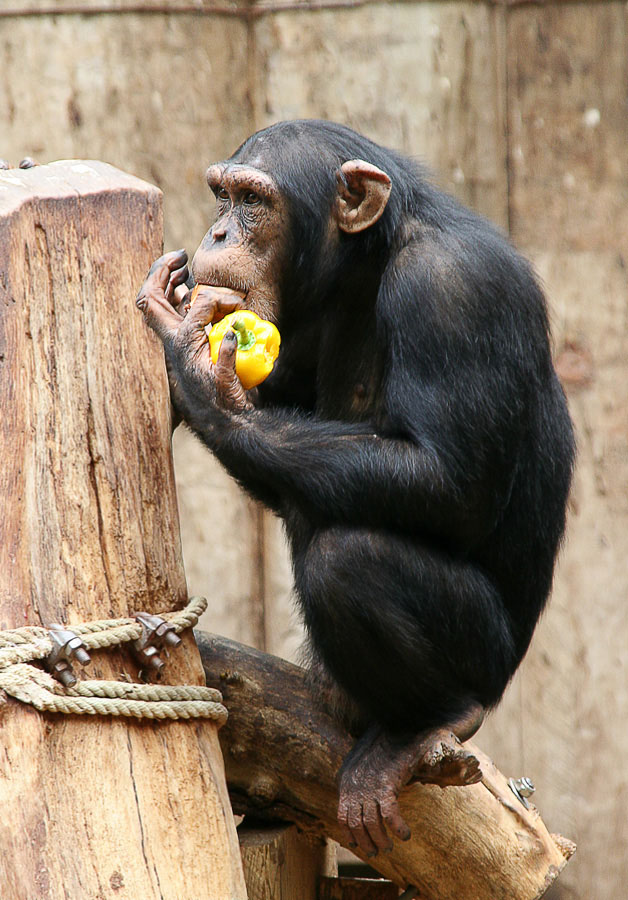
(567, 712)
(521, 110)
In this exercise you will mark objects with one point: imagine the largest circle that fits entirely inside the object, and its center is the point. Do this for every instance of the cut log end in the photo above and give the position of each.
(566, 847)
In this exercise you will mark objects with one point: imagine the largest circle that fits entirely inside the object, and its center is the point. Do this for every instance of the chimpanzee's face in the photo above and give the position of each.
(246, 246)
(247, 249)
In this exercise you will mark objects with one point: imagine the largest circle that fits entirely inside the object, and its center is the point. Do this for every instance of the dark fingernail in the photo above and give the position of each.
(352, 845)
(27, 163)
(371, 854)
(231, 336)
(4, 164)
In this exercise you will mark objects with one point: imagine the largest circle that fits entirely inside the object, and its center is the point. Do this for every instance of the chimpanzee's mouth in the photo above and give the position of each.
(230, 282)
(237, 287)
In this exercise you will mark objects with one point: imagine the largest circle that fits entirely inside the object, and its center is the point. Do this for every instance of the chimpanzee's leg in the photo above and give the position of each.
(421, 642)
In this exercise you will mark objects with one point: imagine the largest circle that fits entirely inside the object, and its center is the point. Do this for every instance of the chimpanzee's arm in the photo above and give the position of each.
(336, 471)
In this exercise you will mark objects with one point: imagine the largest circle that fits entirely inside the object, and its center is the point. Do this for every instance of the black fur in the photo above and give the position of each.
(424, 518)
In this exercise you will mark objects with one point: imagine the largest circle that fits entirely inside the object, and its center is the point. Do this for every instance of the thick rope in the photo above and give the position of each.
(30, 684)
(33, 641)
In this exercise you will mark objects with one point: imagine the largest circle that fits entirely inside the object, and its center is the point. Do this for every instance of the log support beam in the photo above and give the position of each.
(282, 755)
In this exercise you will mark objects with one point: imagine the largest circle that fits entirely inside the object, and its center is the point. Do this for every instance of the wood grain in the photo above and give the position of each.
(94, 808)
(282, 755)
(357, 889)
(420, 77)
(281, 863)
(566, 714)
(501, 102)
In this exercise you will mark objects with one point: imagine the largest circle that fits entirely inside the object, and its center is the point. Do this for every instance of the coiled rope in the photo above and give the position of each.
(30, 684)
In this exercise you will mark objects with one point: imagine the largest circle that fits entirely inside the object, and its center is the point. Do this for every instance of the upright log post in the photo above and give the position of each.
(94, 807)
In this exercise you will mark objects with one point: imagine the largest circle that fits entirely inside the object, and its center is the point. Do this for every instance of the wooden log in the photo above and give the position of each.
(282, 755)
(281, 863)
(357, 889)
(94, 807)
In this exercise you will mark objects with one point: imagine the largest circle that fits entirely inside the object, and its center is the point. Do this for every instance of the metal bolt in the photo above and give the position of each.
(522, 788)
(159, 631)
(525, 786)
(66, 646)
(149, 657)
(156, 634)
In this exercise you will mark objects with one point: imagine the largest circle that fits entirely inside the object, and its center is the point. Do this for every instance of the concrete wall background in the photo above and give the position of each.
(521, 111)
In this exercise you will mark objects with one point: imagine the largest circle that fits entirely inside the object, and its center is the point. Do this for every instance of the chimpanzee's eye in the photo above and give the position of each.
(222, 195)
(251, 198)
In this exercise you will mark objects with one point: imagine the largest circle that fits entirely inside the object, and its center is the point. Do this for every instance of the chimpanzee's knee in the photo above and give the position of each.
(415, 636)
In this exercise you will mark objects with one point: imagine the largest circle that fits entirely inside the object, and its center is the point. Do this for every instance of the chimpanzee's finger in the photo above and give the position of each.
(161, 271)
(174, 259)
(179, 276)
(373, 823)
(213, 303)
(347, 839)
(158, 313)
(181, 299)
(358, 830)
(230, 391)
(392, 817)
(151, 299)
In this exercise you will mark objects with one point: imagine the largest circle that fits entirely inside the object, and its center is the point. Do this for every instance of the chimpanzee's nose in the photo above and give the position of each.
(219, 234)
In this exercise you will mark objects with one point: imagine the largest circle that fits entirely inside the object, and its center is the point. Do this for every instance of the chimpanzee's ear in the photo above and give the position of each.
(363, 192)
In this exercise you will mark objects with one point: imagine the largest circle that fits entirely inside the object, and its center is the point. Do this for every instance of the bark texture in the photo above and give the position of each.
(94, 808)
(282, 755)
(281, 863)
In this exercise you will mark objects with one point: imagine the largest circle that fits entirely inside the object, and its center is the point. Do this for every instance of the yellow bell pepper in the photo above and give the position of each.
(258, 345)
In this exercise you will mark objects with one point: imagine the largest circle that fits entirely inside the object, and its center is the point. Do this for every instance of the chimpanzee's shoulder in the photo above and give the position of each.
(457, 248)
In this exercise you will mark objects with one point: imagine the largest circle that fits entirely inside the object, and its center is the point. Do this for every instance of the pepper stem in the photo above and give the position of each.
(246, 337)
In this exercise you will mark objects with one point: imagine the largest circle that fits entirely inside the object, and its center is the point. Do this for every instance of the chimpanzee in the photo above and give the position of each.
(413, 435)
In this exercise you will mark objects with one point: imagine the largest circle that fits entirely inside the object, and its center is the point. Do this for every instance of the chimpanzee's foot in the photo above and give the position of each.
(446, 762)
(380, 765)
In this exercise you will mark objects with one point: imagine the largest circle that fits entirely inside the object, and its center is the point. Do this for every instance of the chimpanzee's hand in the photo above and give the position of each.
(184, 338)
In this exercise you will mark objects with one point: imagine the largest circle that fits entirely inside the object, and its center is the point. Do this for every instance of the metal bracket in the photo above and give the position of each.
(157, 634)
(66, 646)
(522, 788)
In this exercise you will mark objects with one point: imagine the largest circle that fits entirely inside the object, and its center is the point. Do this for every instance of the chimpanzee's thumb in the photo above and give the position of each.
(231, 394)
